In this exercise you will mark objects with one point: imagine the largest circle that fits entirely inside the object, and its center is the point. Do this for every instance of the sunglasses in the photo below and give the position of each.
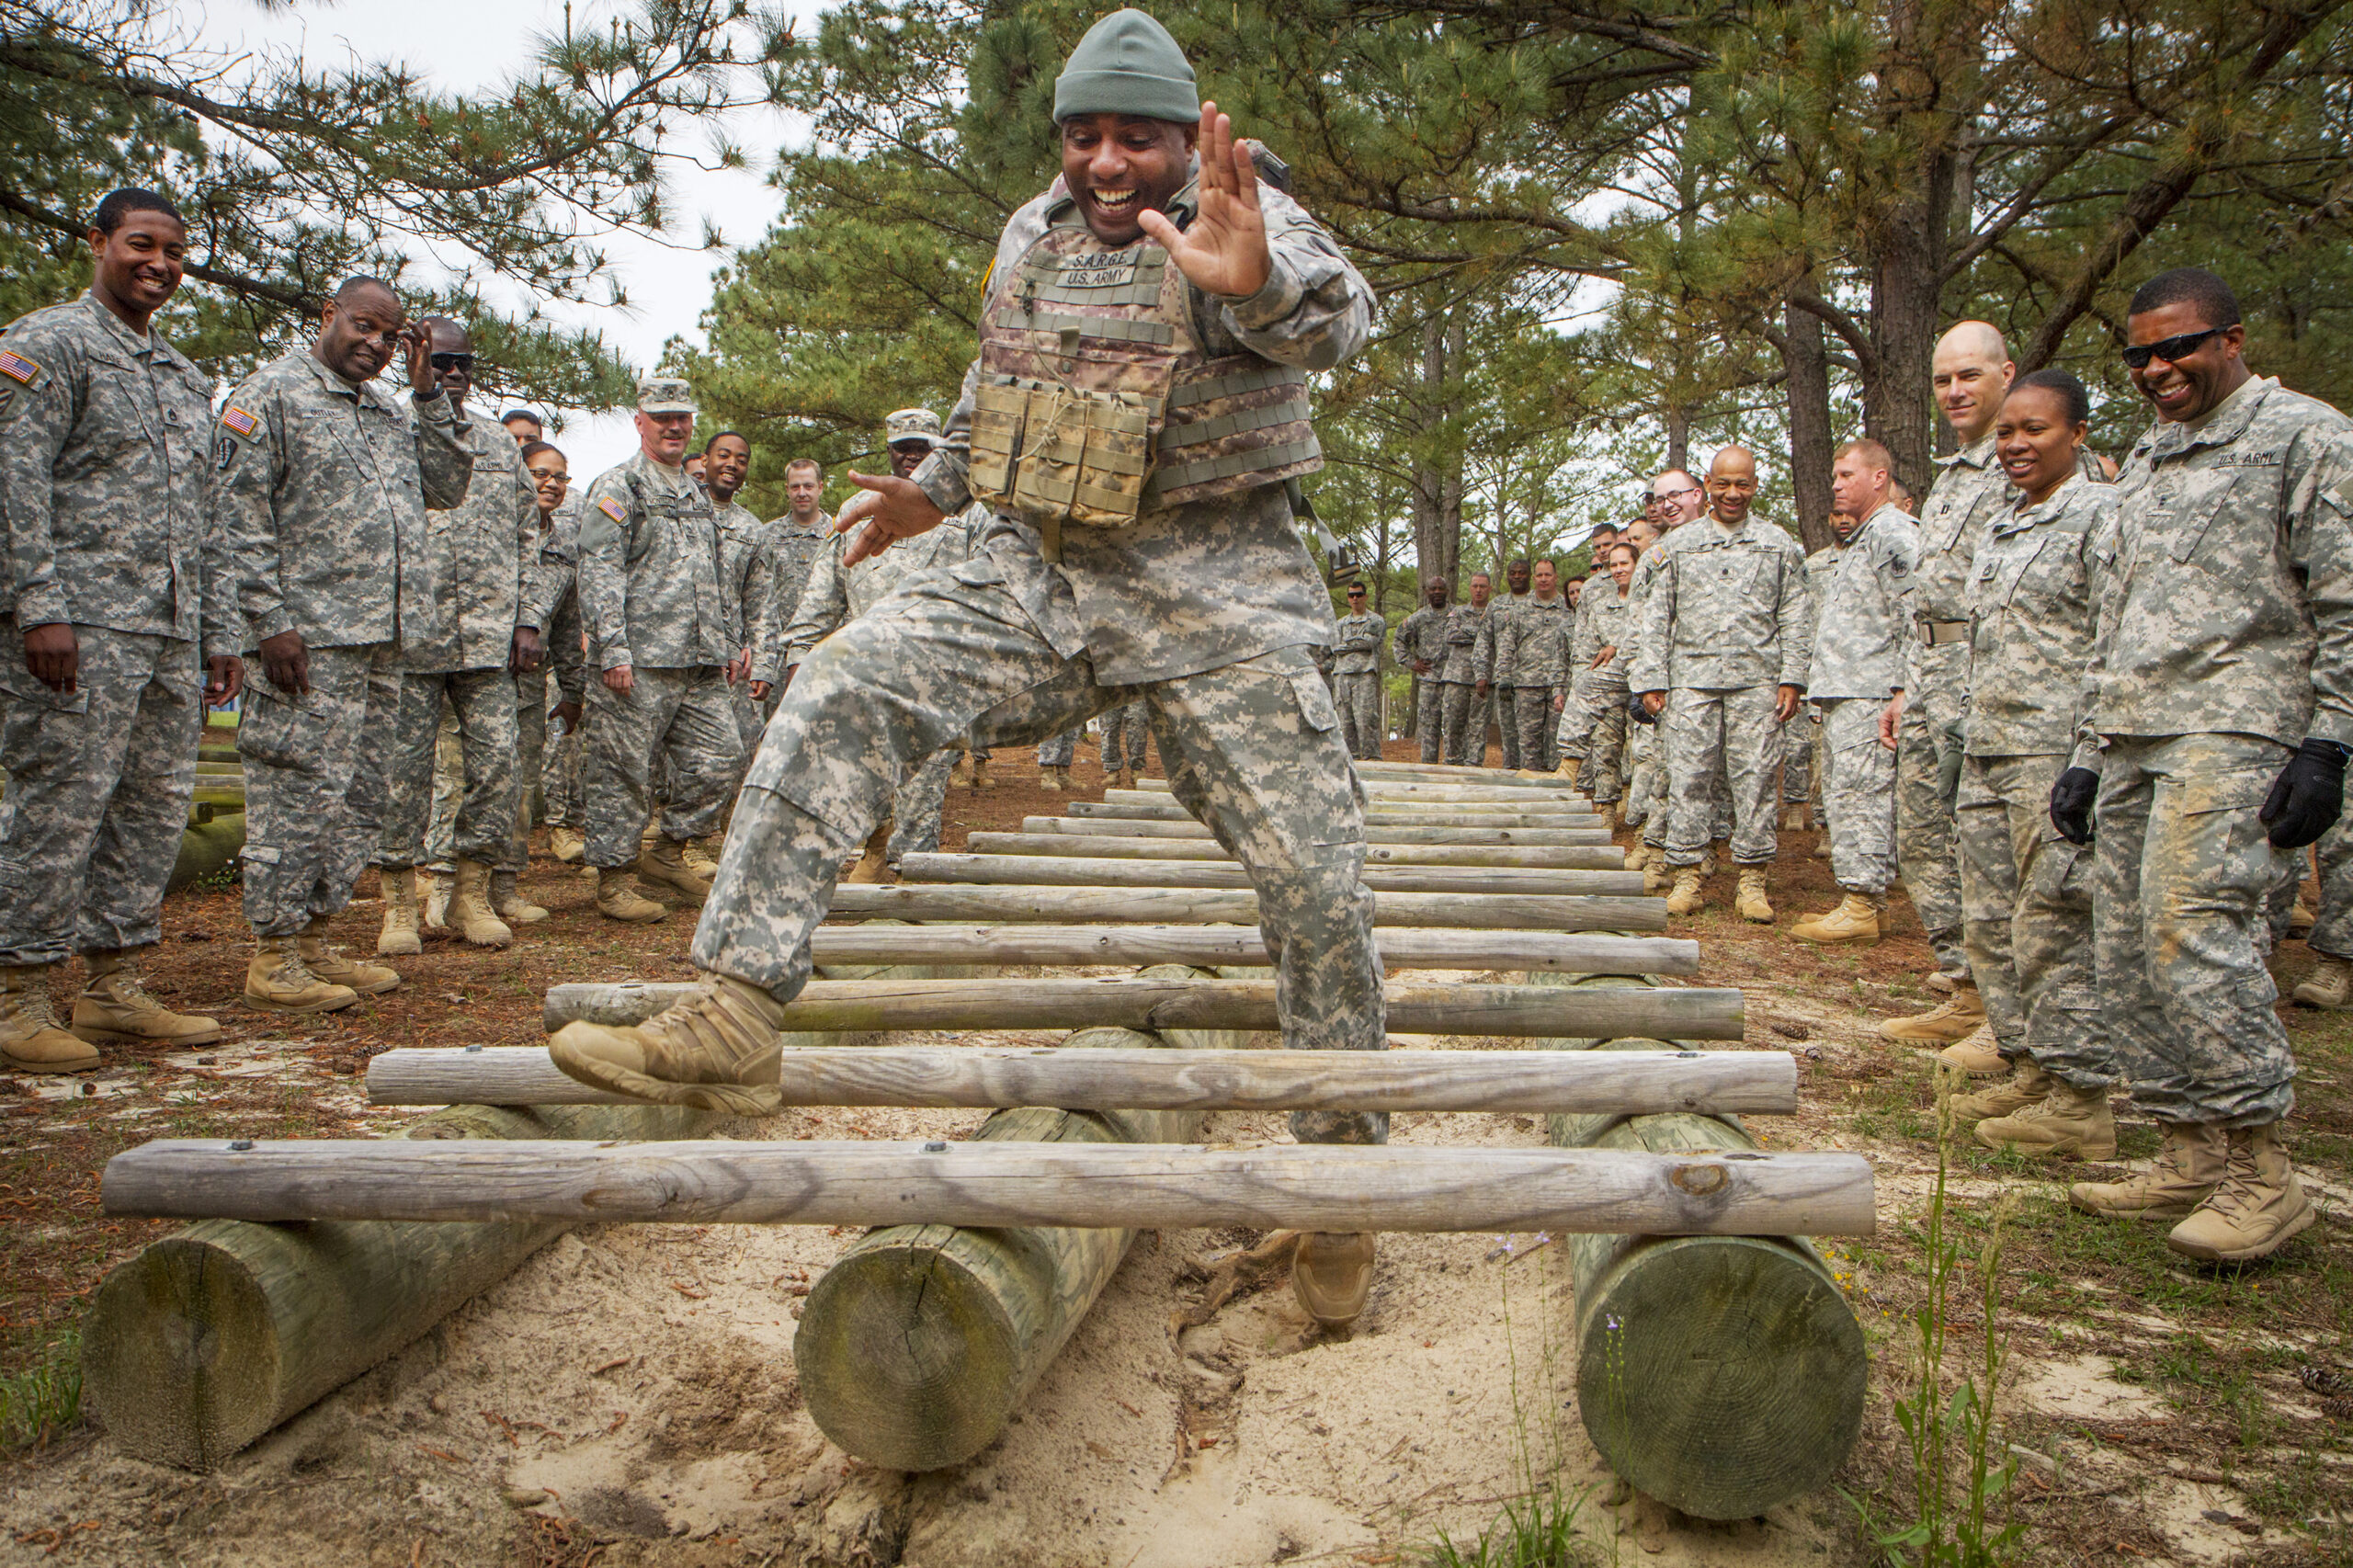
(2170, 349)
(454, 362)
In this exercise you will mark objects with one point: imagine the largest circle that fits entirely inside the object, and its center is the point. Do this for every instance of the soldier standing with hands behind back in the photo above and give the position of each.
(1356, 674)
(103, 518)
(321, 488)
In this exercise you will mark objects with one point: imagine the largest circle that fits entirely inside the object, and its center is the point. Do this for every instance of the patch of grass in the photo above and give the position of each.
(1535, 1531)
(43, 1401)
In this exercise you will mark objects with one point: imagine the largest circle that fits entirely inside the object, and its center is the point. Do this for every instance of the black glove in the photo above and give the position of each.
(2070, 804)
(1642, 714)
(2307, 796)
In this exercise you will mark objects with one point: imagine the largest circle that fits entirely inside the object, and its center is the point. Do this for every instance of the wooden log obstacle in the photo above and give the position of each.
(915, 1349)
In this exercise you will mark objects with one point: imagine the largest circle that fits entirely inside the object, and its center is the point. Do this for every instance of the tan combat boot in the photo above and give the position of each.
(616, 899)
(507, 900)
(115, 1009)
(434, 888)
(1568, 767)
(702, 861)
(1751, 901)
(981, 774)
(278, 982)
(961, 774)
(2329, 985)
(469, 909)
(2259, 1205)
(1822, 847)
(2189, 1165)
(2027, 1084)
(1708, 862)
(1657, 876)
(717, 1050)
(1855, 920)
(1688, 898)
(329, 964)
(1331, 1275)
(2070, 1122)
(2300, 919)
(873, 863)
(566, 844)
(30, 1040)
(1638, 856)
(1125, 779)
(663, 865)
(1975, 1056)
(1797, 817)
(1046, 779)
(1955, 1019)
(400, 932)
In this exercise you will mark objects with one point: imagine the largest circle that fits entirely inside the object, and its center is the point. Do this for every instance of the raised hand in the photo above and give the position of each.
(890, 509)
(1224, 251)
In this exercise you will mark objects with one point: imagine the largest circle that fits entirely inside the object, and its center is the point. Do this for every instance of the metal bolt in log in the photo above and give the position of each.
(209, 1338)
(1057, 905)
(1721, 1375)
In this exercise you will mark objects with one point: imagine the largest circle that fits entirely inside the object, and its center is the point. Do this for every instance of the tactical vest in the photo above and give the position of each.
(1098, 397)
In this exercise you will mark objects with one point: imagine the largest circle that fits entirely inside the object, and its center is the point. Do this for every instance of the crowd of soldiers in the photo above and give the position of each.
(406, 600)
(2090, 714)
(2083, 717)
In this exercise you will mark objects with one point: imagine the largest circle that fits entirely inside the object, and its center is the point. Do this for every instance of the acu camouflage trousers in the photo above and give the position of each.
(1430, 716)
(1504, 707)
(1253, 750)
(99, 780)
(1602, 704)
(1466, 725)
(488, 742)
(2183, 873)
(2025, 907)
(1057, 750)
(316, 789)
(1359, 701)
(1858, 795)
(1126, 732)
(1536, 744)
(1719, 745)
(686, 717)
(1927, 785)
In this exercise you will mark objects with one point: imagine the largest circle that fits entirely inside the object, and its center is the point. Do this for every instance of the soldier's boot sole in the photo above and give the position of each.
(329, 1003)
(96, 1034)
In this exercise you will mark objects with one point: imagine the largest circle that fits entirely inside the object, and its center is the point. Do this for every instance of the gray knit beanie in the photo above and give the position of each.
(1127, 63)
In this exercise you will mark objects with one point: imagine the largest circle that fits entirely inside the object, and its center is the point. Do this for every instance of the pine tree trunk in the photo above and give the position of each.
(1809, 440)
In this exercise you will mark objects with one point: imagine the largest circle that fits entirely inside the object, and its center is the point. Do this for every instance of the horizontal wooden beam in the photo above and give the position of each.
(999, 1077)
(1441, 773)
(1130, 1187)
(1581, 857)
(1062, 905)
(1403, 794)
(1374, 832)
(826, 1006)
(1568, 952)
(1046, 870)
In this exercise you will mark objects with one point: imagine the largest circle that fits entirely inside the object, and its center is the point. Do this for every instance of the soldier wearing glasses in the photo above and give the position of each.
(2219, 713)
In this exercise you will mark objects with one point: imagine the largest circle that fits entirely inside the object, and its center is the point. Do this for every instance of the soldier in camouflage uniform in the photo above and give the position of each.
(1202, 604)
(1533, 651)
(2027, 894)
(664, 630)
(1600, 655)
(1721, 662)
(114, 613)
(1356, 666)
(1126, 732)
(1801, 763)
(2220, 717)
(555, 607)
(2330, 984)
(1972, 370)
(746, 569)
(1421, 648)
(1502, 706)
(320, 489)
(1461, 673)
(484, 557)
(837, 595)
(1857, 665)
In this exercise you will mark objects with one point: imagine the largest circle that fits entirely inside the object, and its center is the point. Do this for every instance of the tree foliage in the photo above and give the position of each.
(294, 176)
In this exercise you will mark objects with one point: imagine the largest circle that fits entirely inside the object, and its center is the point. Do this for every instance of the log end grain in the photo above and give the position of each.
(1721, 1375)
(180, 1356)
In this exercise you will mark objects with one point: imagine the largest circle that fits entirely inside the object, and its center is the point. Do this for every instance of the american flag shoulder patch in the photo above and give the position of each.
(613, 510)
(16, 366)
(238, 420)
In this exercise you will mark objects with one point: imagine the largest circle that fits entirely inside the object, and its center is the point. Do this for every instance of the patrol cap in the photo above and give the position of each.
(666, 395)
(910, 425)
(1127, 63)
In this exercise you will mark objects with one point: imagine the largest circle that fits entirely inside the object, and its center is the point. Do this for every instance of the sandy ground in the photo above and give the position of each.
(628, 1396)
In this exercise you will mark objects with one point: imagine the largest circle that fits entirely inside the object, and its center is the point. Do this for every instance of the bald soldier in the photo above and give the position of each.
(1973, 373)
(1721, 662)
(1166, 299)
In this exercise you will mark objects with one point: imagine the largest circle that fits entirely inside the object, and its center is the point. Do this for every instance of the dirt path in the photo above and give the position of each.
(628, 1396)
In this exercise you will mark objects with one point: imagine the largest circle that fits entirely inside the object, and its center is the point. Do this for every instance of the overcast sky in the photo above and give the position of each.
(462, 45)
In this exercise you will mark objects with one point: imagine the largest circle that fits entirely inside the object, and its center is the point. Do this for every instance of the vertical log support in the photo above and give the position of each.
(1721, 1375)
